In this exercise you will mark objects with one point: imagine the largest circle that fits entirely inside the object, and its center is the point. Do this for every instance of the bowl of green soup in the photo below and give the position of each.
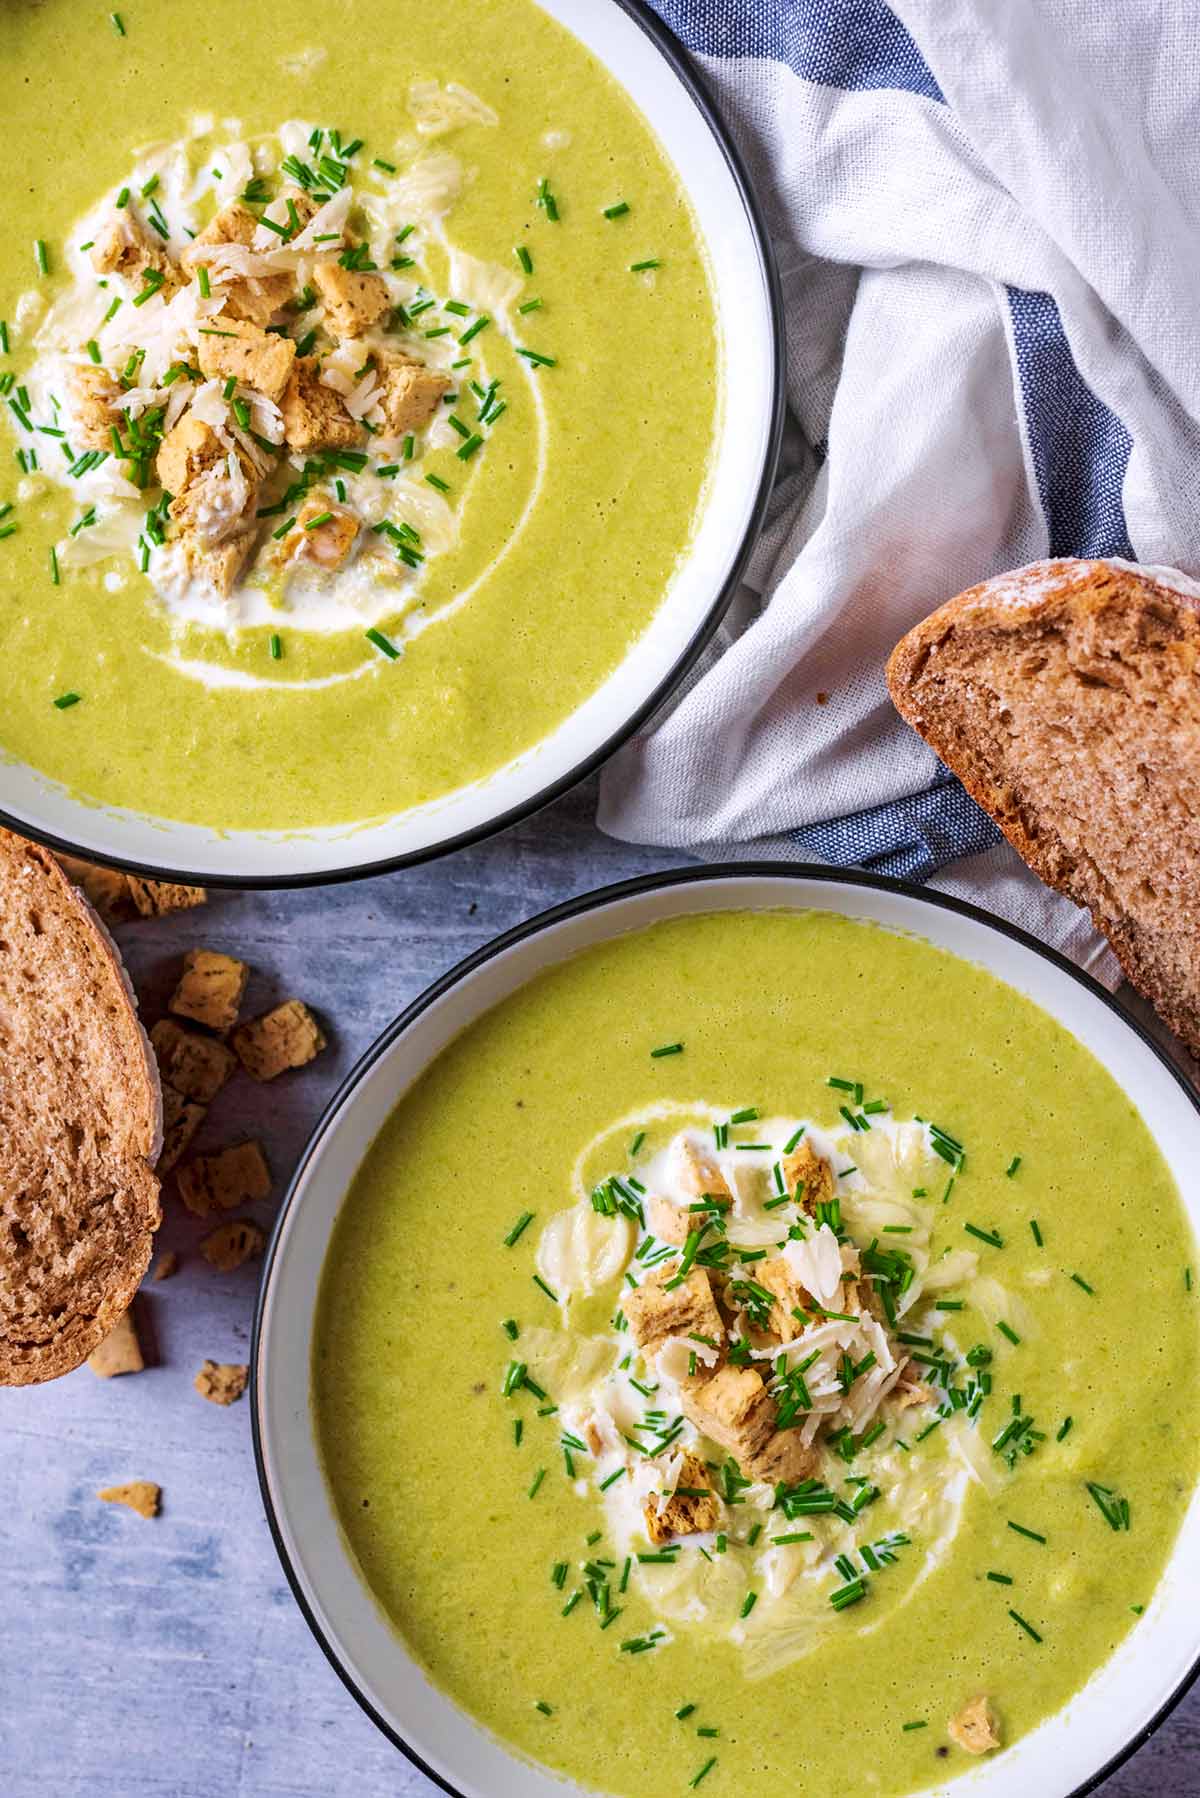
(385, 428)
(740, 1331)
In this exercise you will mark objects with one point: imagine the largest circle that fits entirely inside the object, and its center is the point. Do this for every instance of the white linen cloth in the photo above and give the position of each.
(987, 220)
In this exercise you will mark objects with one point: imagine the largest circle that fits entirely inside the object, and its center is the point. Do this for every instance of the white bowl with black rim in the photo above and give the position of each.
(654, 71)
(1067, 1755)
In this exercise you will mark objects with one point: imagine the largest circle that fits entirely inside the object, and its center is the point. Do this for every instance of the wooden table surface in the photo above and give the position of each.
(168, 1658)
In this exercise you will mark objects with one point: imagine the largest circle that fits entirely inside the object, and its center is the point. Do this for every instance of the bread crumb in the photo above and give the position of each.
(120, 1352)
(976, 1728)
(221, 1382)
(222, 1182)
(153, 897)
(181, 1119)
(287, 1037)
(194, 1065)
(210, 989)
(142, 1496)
(166, 1265)
(683, 1514)
(230, 1244)
(105, 888)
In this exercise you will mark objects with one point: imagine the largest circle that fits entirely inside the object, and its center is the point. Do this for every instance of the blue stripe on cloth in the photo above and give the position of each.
(1080, 449)
(909, 839)
(853, 44)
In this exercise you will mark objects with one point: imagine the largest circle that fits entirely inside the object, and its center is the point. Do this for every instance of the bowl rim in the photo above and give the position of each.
(693, 82)
(596, 899)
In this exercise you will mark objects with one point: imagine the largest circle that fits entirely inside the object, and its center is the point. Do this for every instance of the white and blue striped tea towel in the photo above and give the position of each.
(987, 219)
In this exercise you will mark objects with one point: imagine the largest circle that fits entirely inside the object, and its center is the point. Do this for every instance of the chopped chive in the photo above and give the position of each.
(382, 643)
(666, 1049)
(1080, 1281)
(3, 338)
(315, 524)
(1065, 1431)
(920, 1724)
(748, 1604)
(54, 582)
(992, 1237)
(637, 268)
(1020, 1530)
(522, 1223)
(118, 24)
(524, 258)
(538, 1477)
(705, 1770)
(1187, 1279)
(473, 330)
(442, 486)
(284, 528)
(41, 256)
(1012, 1167)
(1027, 1627)
(537, 359)
(1006, 1330)
(389, 168)
(93, 349)
(542, 1706)
(613, 1477)
(122, 199)
(466, 450)
(550, 1294)
(617, 211)
(1001, 1579)
(1037, 1234)
(530, 306)
(65, 701)
(276, 646)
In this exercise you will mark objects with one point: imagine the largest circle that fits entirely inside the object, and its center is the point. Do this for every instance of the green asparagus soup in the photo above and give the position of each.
(360, 378)
(714, 1366)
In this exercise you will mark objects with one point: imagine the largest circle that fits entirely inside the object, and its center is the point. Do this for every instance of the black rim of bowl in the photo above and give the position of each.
(690, 78)
(598, 899)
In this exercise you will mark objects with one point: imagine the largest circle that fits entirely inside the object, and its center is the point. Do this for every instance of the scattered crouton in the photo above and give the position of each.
(188, 448)
(226, 1247)
(788, 1295)
(668, 1221)
(120, 1352)
(353, 301)
(142, 1496)
(254, 357)
(691, 1508)
(976, 1727)
(166, 1265)
(218, 565)
(105, 888)
(194, 1065)
(210, 989)
(224, 1181)
(699, 1174)
(326, 543)
(287, 1037)
(737, 1412)
(805, 1165)
(181, 1120)
(93, 392)
(408, 393)
(221, 1381)
(313, 414)
(125, 247)
(654, 1314)
(255, 299)
(154, 897)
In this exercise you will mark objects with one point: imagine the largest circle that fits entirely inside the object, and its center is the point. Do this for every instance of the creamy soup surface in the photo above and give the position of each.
(360, 376)
(761, 1353)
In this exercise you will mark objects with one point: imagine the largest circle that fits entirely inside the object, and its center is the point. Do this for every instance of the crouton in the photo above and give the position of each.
(287, 1037)
(104, 888)
(735, 1410)
(692, 1507)
(313, 414)
(142, 1496)
(210, 989)
(218, 565)
(326, 544)
(787, 1294)
(188, 448)
(654, 1314)
(195, 1065)
(699, 1174)
(976, 1727)
(254, 357)
(221, 1382)
(805, 1165)
(125, 247)
(255, 299)
(154, 897)
(226, 1247)
(408, 393)
(120, 1352)
(224, 1181)
(93, 393)
(667, 1221)
(353, 301)
(181, 1119)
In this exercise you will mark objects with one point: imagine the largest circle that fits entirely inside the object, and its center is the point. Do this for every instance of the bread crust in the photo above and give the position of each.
(82, 1110)
(1077, 600)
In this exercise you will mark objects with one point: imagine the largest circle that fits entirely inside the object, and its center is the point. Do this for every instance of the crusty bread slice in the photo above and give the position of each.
(1066, 697)
(80, 1124)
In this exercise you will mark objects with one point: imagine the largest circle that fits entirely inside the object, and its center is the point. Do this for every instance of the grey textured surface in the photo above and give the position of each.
(168, 1657)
